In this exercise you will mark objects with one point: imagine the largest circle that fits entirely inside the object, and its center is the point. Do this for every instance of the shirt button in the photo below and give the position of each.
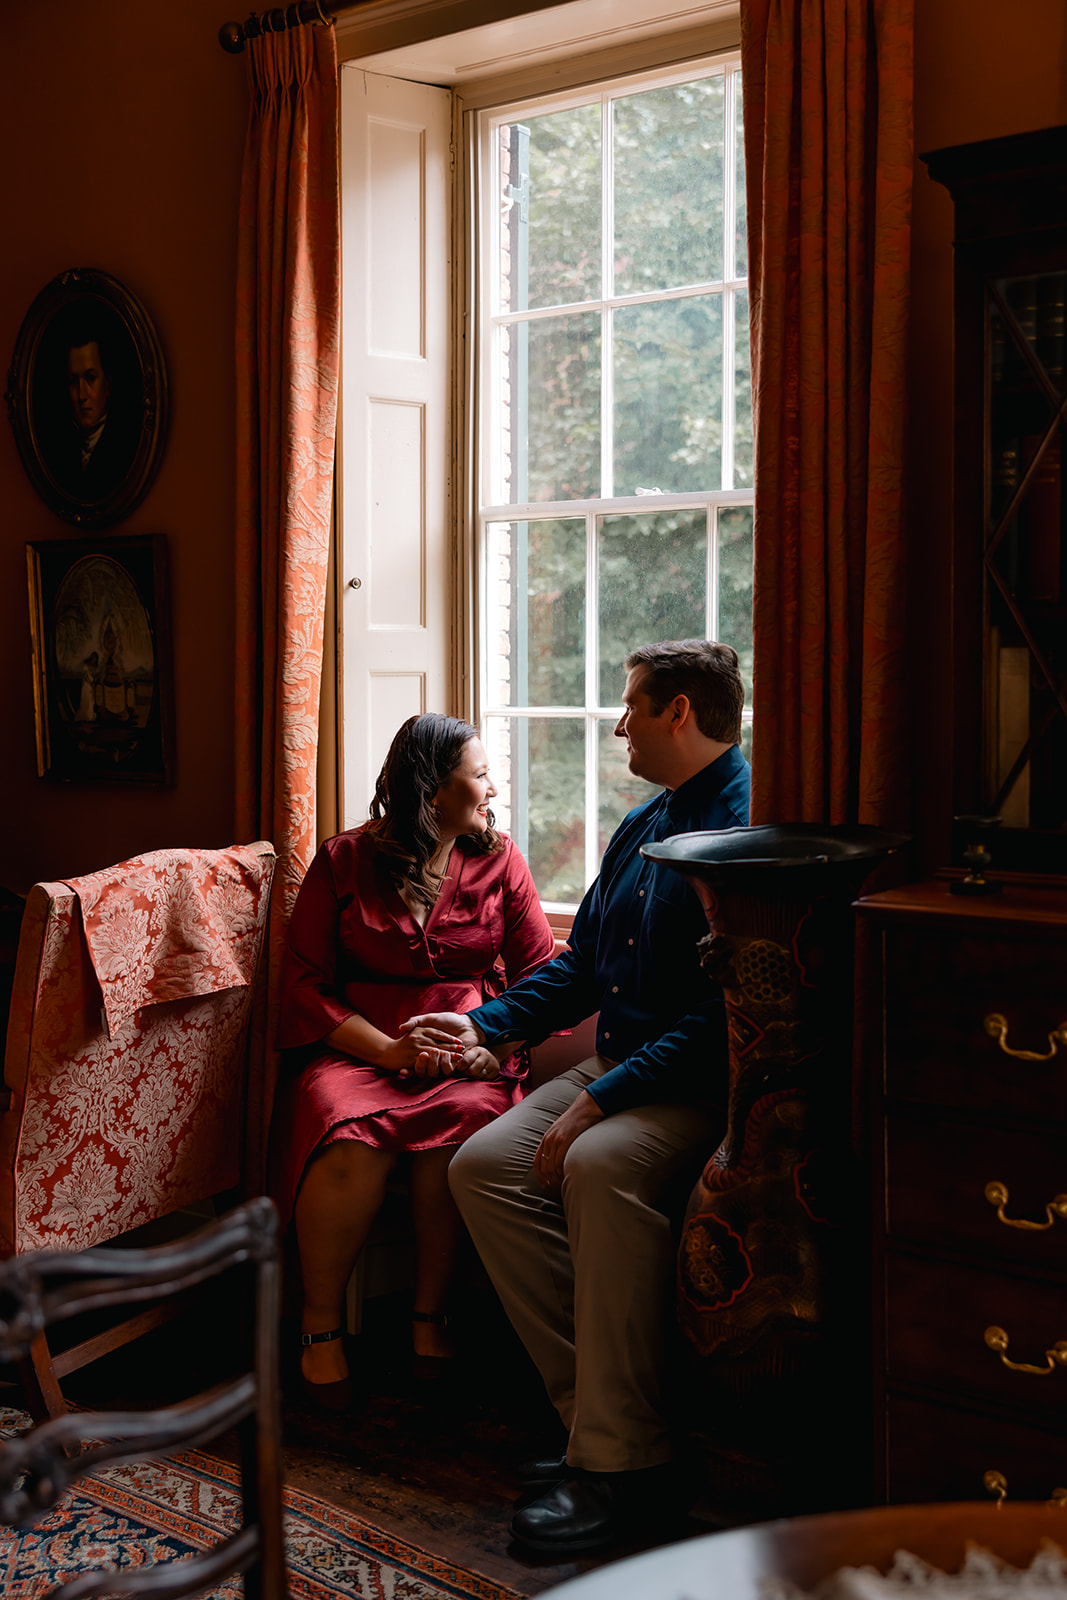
(629, 941)
(640, 894)
(607, 1036)
(614, 988)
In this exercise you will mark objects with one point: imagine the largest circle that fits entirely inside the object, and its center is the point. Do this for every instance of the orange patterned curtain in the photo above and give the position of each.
(287, 367)
(828, 156)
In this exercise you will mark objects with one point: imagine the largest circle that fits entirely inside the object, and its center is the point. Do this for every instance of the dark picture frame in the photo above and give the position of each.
(103, 684)
(87, 397)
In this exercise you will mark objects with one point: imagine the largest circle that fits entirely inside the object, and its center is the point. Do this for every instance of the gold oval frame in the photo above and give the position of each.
(47, 439)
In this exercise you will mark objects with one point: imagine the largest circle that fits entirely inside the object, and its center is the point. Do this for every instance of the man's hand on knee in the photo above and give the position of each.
(552, 1151)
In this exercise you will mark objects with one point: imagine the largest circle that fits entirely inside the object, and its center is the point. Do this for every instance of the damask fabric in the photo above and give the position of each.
(288, 342)
(106, 1132)
(354, 947)
(828, 163)
(171, 925)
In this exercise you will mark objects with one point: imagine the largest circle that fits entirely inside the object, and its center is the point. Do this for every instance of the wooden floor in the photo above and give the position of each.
(432, 1463)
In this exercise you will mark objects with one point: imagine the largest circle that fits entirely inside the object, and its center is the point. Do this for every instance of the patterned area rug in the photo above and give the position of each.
(164, 1510)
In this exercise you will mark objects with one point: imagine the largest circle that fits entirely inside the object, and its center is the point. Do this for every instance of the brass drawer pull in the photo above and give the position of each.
(997, 1340)
(997, 1195)
(997, 1028)
(995, 1483)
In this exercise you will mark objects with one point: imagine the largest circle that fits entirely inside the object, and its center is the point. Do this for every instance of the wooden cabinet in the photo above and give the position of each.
(1009, 620)
(966, 1060)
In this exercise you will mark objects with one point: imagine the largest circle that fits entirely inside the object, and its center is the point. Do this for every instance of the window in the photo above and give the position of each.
(614, 432)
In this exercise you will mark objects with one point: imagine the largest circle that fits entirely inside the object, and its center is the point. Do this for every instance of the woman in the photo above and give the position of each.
(408, 913)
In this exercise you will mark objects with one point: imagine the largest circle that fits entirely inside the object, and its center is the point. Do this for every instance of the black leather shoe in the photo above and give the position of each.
(591, 1510)
(547, 1469)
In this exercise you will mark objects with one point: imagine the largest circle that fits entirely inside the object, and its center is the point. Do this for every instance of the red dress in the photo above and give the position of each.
(354, 947)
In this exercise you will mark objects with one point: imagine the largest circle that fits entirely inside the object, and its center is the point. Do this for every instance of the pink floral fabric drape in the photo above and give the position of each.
(287, 372)
(828, 156)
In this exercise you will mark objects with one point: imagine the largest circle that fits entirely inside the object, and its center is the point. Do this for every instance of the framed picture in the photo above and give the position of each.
(100, 630)
(87, 397)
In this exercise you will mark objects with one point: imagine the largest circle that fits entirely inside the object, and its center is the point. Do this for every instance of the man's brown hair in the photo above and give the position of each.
(705, 672)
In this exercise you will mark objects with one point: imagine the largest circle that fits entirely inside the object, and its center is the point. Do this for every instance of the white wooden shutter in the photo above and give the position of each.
(396, 596)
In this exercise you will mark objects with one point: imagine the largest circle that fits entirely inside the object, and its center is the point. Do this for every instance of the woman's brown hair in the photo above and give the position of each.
(423, 755)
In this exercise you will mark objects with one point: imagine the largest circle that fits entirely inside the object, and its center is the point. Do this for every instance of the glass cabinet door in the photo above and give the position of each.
(1025, 692)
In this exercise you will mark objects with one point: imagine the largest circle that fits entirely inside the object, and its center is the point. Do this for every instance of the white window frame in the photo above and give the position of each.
(482, 226)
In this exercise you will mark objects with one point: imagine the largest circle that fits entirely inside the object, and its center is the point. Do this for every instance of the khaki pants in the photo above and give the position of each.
(587, 1278)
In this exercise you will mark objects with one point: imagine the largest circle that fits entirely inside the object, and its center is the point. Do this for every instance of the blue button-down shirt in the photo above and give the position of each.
(633, 957)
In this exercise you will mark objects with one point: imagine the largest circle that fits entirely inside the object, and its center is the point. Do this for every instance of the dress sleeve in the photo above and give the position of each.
(311, 1003)
(528, 939)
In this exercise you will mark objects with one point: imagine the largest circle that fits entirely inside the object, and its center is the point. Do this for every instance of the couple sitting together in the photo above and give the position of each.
(405, 1037)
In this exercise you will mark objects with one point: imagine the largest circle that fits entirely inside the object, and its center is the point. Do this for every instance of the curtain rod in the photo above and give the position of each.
(232, 35)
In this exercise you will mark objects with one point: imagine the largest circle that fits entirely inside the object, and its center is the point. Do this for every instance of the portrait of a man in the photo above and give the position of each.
(89, 398)
(89, 423)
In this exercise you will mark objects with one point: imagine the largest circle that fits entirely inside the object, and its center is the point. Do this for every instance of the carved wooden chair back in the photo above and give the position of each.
(45, 1288)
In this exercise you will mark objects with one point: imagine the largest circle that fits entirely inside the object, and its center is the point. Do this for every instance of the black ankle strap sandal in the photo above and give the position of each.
(322, 1338)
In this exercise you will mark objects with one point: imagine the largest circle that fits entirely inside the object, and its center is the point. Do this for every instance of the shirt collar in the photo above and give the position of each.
(706, 784)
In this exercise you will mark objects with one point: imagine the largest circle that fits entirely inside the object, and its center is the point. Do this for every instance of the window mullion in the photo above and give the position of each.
(592, 697)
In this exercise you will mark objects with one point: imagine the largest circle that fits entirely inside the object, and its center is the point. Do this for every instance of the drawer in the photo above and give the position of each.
(938, 991)
(937, 1317)
(936, 1176)
(938, 1453)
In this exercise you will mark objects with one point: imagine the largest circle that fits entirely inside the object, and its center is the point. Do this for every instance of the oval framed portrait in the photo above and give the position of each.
(87, 397)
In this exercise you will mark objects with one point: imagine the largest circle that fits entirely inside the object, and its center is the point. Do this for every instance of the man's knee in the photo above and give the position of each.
(593, 1165)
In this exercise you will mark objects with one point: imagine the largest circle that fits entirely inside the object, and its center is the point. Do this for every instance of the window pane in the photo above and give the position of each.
(550, 178)
(538, 764)
(668, 396)
(653, 583)
(735, 587)
(740, 202)
(536, 613)
(619, 790)
(742, 393)
(550, 426)
(668, 148)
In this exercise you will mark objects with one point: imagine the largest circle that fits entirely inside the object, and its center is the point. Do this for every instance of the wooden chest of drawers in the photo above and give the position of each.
(967, 1065)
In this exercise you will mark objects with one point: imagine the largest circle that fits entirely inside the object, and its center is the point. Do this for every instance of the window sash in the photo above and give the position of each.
(599, 705)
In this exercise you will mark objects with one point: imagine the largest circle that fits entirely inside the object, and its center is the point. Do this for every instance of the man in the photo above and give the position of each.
(96, 453)
(564, 1194)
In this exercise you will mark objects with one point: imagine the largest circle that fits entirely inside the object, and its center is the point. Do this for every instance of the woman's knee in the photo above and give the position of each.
(468, 1166)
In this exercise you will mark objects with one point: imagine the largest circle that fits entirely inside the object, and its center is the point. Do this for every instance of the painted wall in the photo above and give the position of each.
(982, 69)
(123, 125)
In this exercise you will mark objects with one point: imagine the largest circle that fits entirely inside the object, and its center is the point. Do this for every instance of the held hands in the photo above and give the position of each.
(462, 1039)
(478, 1062)
(551, 1152)
(434, 1047)
(452, 1023)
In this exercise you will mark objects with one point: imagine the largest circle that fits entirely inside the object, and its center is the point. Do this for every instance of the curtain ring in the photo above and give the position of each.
(326, 21)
